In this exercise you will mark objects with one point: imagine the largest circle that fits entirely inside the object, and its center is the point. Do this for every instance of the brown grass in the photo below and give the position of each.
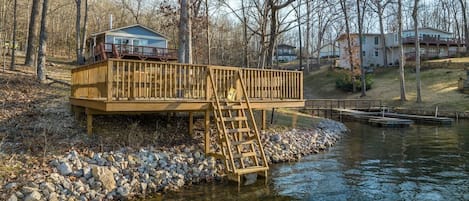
(439, 87)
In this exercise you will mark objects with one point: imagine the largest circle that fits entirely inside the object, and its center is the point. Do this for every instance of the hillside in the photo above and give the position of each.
(439, 86)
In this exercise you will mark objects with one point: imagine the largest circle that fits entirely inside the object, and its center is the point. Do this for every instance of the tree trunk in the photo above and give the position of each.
(77, 31)
(299, 34)
(360, 34)
(383, 37)
(182, 32)
(245, 36)
(13, 48)
(188, 35)
(41, 63)
(273, 34)
(308, 32)
(31, 49)
(208, 32)
(415, 17)
(83, 36)
(401, 53)
(349, 43)
(466, 28)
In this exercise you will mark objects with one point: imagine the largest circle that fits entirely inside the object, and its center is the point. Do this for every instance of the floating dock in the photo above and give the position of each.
(387, 119)
(421, 119)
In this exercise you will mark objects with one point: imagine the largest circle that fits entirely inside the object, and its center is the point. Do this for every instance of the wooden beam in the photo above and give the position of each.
(109, 80)
(191, 124)
(263, 120)
(207, 131)
(89, 123)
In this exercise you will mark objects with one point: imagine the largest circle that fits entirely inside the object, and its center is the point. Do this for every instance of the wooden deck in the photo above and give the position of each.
(117, 86)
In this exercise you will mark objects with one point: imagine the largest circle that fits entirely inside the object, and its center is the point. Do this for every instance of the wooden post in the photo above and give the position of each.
(191, 124)
(207, 131)
(294, 118)
(89, 121)
(109, 80)
(264, 118)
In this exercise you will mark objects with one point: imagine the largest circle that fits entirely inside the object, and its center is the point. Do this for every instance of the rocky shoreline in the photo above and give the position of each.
(126, 173)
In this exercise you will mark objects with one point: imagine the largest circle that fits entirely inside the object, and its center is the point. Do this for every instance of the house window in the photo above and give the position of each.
(363, 40)
(376, 53)
(376, 40)
(364, 53)
(121, 41)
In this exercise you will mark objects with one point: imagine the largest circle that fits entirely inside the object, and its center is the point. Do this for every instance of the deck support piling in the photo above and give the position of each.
(191, 124)
(264, 118)
(89, 122)
(207, 131)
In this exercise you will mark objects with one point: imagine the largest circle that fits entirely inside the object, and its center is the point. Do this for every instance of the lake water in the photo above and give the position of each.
(417, 163)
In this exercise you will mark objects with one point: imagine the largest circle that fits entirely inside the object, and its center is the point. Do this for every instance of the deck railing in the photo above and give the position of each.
(117, 79)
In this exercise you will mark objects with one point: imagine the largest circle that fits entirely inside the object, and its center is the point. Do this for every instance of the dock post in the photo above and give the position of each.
(89, 122)
(207, 131)
(191, 124)
(264, 117)
(294, 119)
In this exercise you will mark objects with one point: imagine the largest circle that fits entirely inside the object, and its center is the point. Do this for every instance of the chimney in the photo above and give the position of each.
(110, 22)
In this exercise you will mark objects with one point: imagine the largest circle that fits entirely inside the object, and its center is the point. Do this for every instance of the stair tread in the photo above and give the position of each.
(251, 169)
(232, 107)
(234, 118)
(244, 155)
(238, 130)
(252, 141)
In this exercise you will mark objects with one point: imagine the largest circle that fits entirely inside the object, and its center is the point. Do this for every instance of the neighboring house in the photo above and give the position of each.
(434, 43)
(329, 51)
(130, 42)
(372, 50)
(285, 53)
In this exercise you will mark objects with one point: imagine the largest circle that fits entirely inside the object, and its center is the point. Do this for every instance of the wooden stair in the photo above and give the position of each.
(238, 137)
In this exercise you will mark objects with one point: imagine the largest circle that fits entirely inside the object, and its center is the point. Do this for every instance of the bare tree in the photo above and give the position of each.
(378, 6)
(415, 17)
(184, 32)
(208, 31)
(360, 36)
(343, 5)
(13, 43)
(401, 52)
(83, 36)
(78, 31)
(135, 12)
(466, 28)
(308, 33)
(274, 9)
(41, 64)
(31, 49)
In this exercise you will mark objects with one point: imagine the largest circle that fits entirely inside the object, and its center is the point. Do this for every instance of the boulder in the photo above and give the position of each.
(105, 176)
(65, 169)
(34, 196)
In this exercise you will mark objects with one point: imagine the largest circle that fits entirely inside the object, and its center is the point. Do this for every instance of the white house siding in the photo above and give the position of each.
(392, 46)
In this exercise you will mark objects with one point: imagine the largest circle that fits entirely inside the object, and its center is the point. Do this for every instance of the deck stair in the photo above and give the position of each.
(238, 136)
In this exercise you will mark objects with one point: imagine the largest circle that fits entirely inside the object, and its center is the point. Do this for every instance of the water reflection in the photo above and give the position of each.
(417, 163)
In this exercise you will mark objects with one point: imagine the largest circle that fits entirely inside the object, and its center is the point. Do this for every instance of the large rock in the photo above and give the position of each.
(65, 169)
(34, 196)
(105, 176)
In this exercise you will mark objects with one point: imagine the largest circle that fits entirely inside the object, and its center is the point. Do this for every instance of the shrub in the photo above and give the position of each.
(344, 82)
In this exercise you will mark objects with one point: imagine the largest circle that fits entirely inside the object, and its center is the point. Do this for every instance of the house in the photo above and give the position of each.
(329, 50)
(434, 43)
(372, 50)
(130, 42)
(285, 53)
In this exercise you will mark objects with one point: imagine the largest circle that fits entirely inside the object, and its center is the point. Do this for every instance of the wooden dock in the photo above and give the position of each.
(372, 118)
(390, 122)
(389, 119)
(421, 119)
